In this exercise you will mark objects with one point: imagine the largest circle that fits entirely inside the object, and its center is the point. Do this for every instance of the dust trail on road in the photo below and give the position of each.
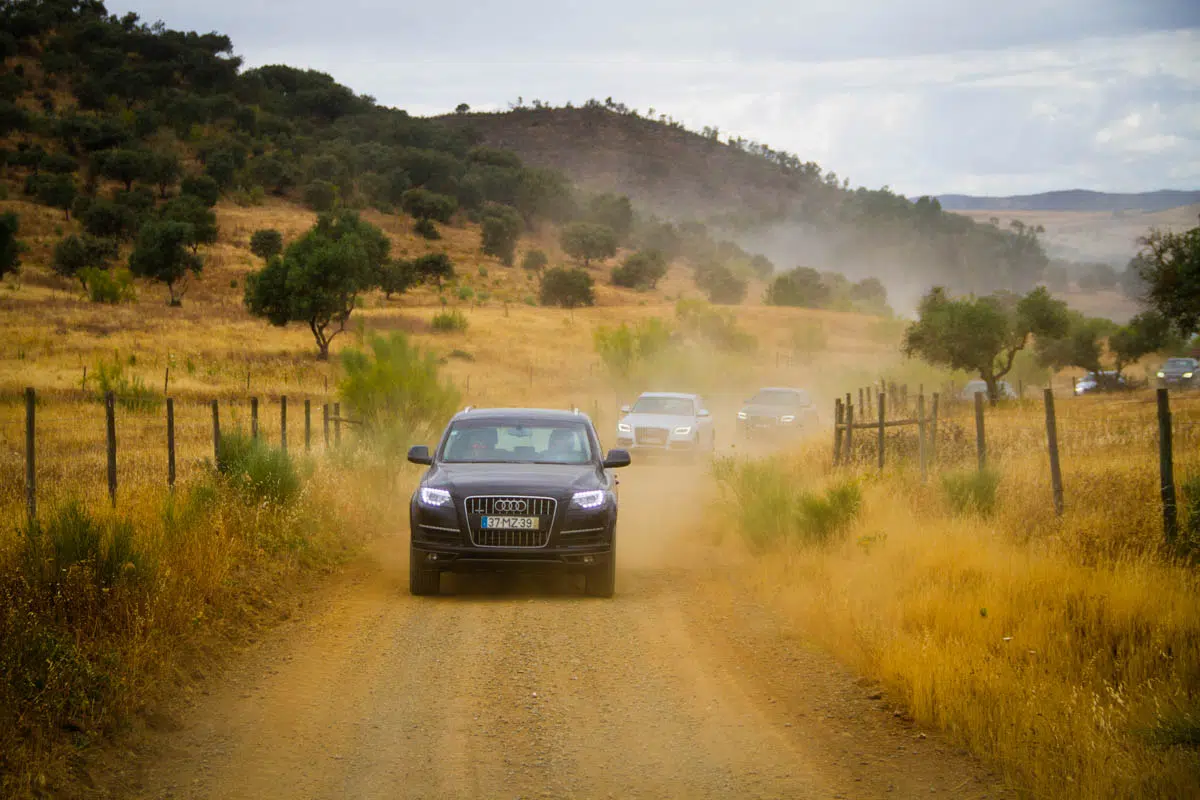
(514, 687)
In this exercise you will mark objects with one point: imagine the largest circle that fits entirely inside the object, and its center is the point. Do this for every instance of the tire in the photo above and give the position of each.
(600, 581)
(422, 582)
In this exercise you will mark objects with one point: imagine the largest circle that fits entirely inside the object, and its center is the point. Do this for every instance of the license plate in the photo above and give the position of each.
(511, 523)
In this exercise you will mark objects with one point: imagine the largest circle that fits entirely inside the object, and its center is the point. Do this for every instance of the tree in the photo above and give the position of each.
(163, 170)
(1146, 333)
(984, 334)
(461, 108)
(203, 187)
(108, 220)
(587, 240)
(1169, 264)
(642, 270)
(191, 210)
(801, 287)
(10, 246)
(222, 167)
(568, 288)
(74, 255)
(320, 196)
(397, 277)
(499, 230)
(433, 268)
(534, 260)
(163, 253)
(266, 243)
(319, 277)
(57, 191)
(614, 211)
(721, 285)
(870, 295)
(424, 204)
(1079, 347)
(123, 165)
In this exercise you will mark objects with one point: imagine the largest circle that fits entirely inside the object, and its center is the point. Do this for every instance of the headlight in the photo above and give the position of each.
(588, 500)
(624, 427)
(435, 498)
(683, 430)
(787, 418)
(1187, 374)
(1161, 375)
(741, 415)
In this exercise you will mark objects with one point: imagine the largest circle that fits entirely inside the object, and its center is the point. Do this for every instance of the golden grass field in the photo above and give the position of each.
(1066, 650)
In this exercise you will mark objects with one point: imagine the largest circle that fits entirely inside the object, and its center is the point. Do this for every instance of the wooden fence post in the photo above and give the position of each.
(216, 435)
(337, 424)
(882, 415)
(30, 455)
(837, 431)
(849, 433)
(325, 422)
(167, 381)
(307, 425)
(110, 427)
(980, 440)
(921, 435)
(171, 442)
(1166, 468)
(933, 423)
(860, 398)
(1052, 442)
(253, 417)
(283, 423)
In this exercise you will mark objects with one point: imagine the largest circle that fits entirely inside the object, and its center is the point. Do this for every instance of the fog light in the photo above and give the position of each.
(431, 557)
(588, 560)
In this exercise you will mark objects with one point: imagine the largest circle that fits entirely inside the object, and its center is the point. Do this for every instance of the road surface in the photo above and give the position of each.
(680, 686)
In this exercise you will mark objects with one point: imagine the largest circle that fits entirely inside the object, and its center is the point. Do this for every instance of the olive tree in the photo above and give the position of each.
(1169, 264)
(499, 231)
(319, 277)
(586, 241)
(983, 334)
(164, 252)
(74, 255)
(568, 288)
(266, 243)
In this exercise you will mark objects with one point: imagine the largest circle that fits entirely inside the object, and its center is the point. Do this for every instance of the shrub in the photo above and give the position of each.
(971, 491)
(260, 472)
(802, 287)
(534, 261)
(623, 348)
(568, 288)
(130, 392)
(424, 204)
(715, 327)
(452, 321)
(425, 228)
(105, 286)
(720, 283)
(821, 517)
(641, 270)
(266, 242)
(74, 539)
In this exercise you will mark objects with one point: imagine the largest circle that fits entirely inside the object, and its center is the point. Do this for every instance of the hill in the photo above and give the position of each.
(1073, 200)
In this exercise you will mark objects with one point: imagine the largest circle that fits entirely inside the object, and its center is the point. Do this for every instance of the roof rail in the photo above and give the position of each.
(468, 408)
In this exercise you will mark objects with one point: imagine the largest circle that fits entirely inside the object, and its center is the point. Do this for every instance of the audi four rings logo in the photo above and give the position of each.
(510, 506)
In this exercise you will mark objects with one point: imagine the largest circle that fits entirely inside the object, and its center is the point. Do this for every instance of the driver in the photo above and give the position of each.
(563, 445)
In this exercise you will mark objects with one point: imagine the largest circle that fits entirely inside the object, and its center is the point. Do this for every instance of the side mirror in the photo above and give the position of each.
(625, 409)
(616, 458)
(704, 412)
(419, 454)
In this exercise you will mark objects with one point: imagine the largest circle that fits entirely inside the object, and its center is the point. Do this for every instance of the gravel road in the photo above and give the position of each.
(680, 686)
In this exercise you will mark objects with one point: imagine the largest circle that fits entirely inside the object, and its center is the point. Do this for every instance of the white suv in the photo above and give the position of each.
(666, 422)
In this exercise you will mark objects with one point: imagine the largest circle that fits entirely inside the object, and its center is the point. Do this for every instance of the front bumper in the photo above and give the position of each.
(750, 428)
(469, 559)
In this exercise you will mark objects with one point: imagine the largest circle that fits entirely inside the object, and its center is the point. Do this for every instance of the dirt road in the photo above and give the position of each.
(680, 686)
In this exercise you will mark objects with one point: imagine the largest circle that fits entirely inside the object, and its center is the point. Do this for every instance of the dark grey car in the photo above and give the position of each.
(1181, 372)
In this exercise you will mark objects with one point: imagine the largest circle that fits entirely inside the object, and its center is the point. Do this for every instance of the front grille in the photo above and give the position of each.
(763, 421)
(651, 435)
(543, 508)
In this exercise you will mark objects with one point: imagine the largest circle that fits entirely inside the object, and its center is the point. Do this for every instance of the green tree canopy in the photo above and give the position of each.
(124, 165)
(74, 255)
(163, 252)
(983, 334)
(499, 229)
(10, 246)
(319, 277)
(203, 187)
(568, 288)
(801, 287)
(1146, 333)
(424, 204)
(191, 209)
(266, 243)
(586, 241)
(641, 270)
(1169, 264)
(57, 191)
(534, 260)
(433, 268)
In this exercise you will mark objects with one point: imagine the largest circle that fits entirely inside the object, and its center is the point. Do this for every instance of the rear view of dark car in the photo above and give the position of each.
(776, 410)
(515, 490)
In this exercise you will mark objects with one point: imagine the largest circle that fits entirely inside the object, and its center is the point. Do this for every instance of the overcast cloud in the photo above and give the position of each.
(926, 96)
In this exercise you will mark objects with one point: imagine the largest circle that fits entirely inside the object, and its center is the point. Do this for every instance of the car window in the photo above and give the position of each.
(671, 406)
(780, 397)
(1180, 363)
(480, 441)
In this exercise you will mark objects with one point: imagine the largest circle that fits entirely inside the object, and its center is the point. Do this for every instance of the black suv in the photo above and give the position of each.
(515, 489)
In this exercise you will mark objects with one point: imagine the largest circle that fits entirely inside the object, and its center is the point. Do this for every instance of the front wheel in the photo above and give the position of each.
(422, 582)
(600, 581)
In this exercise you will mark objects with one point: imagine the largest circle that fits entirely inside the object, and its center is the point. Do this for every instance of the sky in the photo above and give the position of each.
(923, 96)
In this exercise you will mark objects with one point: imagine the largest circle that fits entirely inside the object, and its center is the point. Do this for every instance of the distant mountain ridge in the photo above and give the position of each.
(1073, 200)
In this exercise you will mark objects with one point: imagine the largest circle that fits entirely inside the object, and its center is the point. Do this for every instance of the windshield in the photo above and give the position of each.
(482, 441)
(779, 397)
(671, 406)
(1180, 363)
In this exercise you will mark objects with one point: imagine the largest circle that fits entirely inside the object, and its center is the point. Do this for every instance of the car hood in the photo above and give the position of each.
(1178, 371)
(553, 480)
(657, 420)
(760, 410)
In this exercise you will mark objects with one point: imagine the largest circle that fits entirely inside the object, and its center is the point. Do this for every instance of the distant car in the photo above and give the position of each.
(1180, 372)
(968, 392)
(666, 422)
(515, 489)
(774, 410)
(1104, 381)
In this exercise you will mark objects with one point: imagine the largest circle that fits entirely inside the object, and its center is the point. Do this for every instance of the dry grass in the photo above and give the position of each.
(1066, 650)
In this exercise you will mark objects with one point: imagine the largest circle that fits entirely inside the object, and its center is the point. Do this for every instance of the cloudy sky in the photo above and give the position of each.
(925, 96)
